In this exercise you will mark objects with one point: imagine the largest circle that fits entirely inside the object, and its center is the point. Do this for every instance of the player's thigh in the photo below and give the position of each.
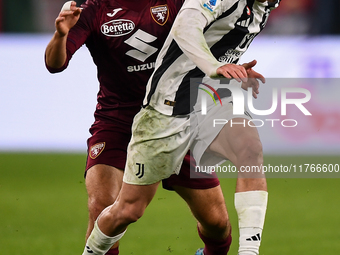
(235, 138)
(207, 205)
(103, 184)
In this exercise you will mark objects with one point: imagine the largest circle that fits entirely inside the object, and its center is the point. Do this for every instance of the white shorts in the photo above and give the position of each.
(157, 147)
(159, 142)
(205, 129)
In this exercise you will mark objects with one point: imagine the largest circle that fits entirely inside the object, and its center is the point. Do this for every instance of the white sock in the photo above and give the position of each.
(98, 243)
(251, 209)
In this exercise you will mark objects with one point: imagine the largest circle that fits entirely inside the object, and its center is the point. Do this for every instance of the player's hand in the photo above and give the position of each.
(67, 19)
(253, 78)
(232, 71)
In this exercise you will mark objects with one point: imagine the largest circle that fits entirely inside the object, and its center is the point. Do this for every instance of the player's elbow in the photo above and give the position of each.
(55, 68)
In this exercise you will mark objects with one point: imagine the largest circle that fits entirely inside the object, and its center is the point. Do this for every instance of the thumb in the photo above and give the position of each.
(250, 64)
(77, 11)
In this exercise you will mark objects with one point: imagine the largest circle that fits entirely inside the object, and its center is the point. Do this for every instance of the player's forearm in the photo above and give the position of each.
(187, 31)
(55, 53)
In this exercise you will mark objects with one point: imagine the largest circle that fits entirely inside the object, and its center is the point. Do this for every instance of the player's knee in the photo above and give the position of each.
(217, 228)
(220, 226)
(132, 212)
(133, 216)
(218, 223)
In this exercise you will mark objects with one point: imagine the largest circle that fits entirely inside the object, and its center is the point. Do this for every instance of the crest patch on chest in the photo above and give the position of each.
(160, 14)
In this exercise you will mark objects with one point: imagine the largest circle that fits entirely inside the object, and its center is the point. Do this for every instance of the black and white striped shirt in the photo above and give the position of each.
(231, 25)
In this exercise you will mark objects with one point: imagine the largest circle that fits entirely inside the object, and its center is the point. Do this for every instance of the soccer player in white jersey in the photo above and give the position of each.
(124, 38)
(207, 40)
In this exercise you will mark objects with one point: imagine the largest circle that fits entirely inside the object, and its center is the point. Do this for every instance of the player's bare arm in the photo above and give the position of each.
(56, 50)
(253, 78)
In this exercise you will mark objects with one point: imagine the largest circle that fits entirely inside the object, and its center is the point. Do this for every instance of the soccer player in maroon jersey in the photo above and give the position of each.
(124, 38)
(206, 42)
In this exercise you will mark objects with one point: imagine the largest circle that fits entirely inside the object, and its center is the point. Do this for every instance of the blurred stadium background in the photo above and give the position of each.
(44, 127)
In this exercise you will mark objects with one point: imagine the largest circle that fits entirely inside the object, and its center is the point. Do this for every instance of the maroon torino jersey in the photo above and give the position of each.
(124, 42)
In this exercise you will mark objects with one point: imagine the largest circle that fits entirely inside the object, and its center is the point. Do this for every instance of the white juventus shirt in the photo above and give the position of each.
(206, 34)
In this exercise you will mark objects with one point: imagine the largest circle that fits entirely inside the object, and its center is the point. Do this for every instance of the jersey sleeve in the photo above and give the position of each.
(85, 25)
(187, 31)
